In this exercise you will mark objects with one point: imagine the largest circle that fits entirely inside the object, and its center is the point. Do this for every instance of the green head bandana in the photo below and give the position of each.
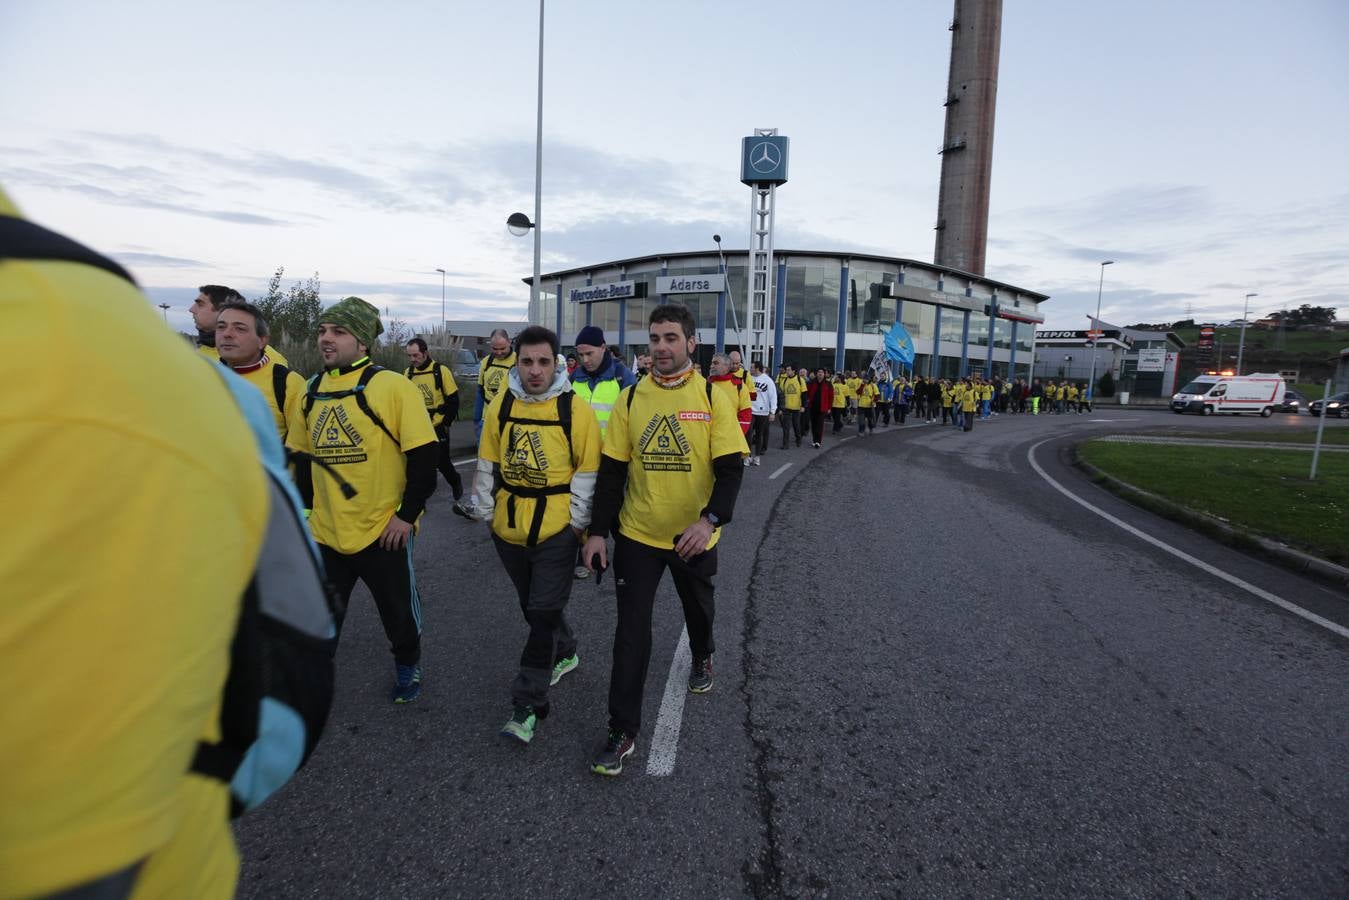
(356, 316)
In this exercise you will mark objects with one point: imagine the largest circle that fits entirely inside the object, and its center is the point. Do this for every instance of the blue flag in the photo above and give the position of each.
(899, 345)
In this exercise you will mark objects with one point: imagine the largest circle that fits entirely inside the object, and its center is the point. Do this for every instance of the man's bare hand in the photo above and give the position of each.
(595, 546)
(395, 535)
(694, 539)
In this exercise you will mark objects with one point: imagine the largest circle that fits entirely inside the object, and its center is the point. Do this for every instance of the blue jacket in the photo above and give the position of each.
(613, 369)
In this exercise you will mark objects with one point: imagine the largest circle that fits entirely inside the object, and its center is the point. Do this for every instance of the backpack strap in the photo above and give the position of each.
(21, 239)
(540, 494)
(369, 372)
(279, 375)
(435, 377)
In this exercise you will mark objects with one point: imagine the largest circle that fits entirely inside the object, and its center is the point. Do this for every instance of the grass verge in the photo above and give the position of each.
(1265, 492)
(1334, 436)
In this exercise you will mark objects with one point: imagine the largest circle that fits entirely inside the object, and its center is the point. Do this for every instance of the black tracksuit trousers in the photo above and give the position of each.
(638, 569)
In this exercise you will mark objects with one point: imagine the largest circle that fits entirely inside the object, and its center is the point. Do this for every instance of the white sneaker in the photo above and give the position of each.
(749, 461)
(581, 573)
(758, 460)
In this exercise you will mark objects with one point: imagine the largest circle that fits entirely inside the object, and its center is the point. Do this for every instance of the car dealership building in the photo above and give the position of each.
(830, 309)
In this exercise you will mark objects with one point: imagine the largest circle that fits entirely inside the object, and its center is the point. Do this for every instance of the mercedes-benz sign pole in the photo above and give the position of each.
(763, 166)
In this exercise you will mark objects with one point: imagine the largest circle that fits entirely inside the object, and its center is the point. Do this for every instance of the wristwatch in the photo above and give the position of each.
(713, 518)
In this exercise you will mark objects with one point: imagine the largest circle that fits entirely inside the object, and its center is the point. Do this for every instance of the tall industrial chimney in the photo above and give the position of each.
(967, 148)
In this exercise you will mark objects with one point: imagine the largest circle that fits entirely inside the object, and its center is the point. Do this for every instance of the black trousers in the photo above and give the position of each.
(443, 463)
(758, 435)
(542, 576)
(883, 411)
(389, 576)
(817, 425)
(791, 426)
(902, 412)
(638, 569)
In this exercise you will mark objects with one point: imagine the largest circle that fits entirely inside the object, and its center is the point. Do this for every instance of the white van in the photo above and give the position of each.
(1261, 392)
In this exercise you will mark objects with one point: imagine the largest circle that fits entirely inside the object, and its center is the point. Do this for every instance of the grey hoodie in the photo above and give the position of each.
(582, 483)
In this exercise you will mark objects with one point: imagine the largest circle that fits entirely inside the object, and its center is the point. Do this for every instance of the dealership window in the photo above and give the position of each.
(812, 298)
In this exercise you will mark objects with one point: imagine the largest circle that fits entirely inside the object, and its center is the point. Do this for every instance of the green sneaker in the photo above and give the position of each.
(521, 724)
(563, 666)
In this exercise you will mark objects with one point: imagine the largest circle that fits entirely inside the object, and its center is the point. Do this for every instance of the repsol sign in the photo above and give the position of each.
(690, 284)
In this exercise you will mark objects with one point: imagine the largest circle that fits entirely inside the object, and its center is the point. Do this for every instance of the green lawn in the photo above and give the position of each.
(1262, 491)
(1335, 436)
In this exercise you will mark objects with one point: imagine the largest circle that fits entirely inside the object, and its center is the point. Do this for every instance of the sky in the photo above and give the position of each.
(1203, 146)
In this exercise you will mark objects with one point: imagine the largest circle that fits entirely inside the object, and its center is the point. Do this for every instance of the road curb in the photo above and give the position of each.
(1336, 576)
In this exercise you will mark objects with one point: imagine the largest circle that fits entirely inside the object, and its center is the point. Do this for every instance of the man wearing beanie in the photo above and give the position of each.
(597, 380)
(372, 431)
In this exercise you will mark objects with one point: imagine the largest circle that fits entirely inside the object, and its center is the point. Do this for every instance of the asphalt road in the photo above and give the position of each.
(936, 676)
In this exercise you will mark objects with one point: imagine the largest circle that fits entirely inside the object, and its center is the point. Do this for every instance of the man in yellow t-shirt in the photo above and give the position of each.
(722, 378)
(369, 427)
(535, 483)
(668, 478)
(441, 394)
(210, 300)
(242, 343)
(791, 396)
(866, 406)
(492, 372)
(109, 678)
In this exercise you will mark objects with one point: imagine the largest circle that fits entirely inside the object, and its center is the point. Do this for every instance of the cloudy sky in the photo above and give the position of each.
(1203, 145)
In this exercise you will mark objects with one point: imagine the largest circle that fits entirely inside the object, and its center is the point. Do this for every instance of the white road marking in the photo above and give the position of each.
(1180, 554)
(465, 462)
(779, 470)
(665, 739)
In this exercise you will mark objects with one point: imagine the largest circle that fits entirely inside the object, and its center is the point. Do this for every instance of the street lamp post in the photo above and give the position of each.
(1241, 344)
(165, 307)
(444, 332)
(519, 223)
(1095, 326)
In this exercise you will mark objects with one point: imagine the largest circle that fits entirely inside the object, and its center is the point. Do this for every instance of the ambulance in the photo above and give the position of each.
(1223, 392)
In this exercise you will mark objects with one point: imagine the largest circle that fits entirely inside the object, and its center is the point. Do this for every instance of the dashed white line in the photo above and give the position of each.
(1180, 554)
(665, 739)
(779, 470)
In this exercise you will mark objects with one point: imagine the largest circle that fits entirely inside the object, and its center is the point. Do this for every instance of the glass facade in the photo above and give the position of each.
(813, 288)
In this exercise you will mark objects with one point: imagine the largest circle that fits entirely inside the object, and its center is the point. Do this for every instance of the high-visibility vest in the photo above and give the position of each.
(601, 399)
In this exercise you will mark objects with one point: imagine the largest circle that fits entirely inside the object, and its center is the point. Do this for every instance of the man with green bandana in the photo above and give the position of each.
(369, 427)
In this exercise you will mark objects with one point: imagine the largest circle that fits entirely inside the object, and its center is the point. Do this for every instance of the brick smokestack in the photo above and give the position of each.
(967, 148)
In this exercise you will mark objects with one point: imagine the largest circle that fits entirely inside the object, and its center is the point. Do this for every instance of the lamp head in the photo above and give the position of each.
(1108, 262)
(518, 224)
(716, 238)
(441, 271)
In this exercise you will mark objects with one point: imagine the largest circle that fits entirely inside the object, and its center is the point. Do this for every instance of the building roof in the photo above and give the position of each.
(831, 254)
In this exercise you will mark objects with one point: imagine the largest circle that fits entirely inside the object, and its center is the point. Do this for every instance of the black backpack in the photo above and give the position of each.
(358, 392)
(504, 417)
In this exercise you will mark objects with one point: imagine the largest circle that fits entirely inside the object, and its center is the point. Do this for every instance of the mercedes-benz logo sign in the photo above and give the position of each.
(765, 157)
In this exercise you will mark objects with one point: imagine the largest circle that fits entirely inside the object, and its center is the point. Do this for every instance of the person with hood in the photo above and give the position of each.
(535, 483)
(598, 379)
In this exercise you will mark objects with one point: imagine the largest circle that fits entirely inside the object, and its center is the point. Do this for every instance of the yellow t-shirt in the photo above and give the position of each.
(866, 395)
(791, 390)
(1072, 392)
(492, 374)
(339, 433)
(985, 392)
(853, 384)
(738, 394)
(121, 590)
(669, 439)
(535, 456)
(840, 394)
(261, 378)
(969, 398)
(425, 380)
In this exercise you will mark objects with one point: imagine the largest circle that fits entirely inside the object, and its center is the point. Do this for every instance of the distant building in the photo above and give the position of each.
(1140, 361)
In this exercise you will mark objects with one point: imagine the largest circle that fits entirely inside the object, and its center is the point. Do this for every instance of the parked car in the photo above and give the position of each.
(464, 364)
(1293, 402)
(1335, 405)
